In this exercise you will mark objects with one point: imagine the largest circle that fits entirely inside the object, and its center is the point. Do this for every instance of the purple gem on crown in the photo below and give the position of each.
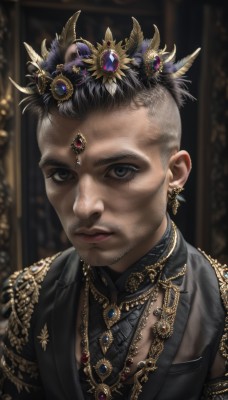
(155, 63)
(109, 61)
(60, 88)
(102, 396)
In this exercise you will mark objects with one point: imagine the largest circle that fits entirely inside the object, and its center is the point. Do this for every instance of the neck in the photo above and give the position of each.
(131, 257)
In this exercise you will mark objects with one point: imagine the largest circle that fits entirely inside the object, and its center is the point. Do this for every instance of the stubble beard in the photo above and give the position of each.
(111, 263)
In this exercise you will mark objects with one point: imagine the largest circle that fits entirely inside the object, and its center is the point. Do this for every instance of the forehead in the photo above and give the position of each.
(128, 126)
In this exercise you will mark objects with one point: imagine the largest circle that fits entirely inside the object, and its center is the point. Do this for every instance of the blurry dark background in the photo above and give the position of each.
(33, 230)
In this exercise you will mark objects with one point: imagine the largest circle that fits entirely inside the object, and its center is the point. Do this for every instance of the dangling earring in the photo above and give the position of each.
(174, 199)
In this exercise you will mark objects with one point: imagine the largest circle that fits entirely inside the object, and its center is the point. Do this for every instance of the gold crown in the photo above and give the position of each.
(107, 62)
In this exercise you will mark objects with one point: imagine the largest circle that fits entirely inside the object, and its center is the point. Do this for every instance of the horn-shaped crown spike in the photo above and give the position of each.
(26, 90)
(183, 65)
(155, 41)
(44, 51)
(171, 56)
(68, 35)
(135, 39)
(108, 36)
(32, 54)
(113, 70)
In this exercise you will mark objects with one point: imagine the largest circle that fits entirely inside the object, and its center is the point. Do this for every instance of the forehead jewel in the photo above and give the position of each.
(71, 64)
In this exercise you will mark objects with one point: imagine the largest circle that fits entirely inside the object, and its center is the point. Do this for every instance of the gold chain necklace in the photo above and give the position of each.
(112, 312)
(103, 368)
(162, 329)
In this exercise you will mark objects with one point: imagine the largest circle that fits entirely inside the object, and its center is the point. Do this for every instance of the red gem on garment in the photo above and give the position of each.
(124, 376)
(84, 358)
(129, 362)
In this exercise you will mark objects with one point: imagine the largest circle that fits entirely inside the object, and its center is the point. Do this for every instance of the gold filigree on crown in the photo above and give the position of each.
(108, 61)
(72, 63)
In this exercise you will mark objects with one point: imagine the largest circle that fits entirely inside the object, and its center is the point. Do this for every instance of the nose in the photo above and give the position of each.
(88, 201)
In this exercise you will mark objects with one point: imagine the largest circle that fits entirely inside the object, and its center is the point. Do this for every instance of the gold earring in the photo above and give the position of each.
(173, 199)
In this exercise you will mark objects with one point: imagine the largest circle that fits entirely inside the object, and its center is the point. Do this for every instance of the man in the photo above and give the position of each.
(131, 311)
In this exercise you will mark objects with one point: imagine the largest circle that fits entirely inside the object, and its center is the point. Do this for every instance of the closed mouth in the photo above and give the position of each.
(92, 235)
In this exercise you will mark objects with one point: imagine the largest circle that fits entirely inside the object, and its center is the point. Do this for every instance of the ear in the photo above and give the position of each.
(180, 166)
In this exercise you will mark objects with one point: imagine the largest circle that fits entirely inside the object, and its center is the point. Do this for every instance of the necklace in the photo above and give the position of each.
(112, 312)
(98, 374)
(103, 368)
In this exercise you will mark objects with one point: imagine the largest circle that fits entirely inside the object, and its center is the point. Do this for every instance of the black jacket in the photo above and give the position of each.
(31, 371)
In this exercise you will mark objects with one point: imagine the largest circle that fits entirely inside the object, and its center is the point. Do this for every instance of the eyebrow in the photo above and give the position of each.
(115, 158)
(47, 162)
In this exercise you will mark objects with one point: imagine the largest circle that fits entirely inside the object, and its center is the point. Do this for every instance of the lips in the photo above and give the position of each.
(93, 235)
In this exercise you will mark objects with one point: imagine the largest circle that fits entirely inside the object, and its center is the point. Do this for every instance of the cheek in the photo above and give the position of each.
(146, 209)
(50, 193)
(55, 197)
(144, 196)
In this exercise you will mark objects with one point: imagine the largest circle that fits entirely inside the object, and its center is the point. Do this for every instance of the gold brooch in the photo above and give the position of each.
(44, 337)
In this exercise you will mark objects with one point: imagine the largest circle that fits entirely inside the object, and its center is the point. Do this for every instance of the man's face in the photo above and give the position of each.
(113, 206)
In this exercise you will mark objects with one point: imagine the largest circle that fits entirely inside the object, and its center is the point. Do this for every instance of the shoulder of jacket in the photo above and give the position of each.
(221, 271)
(20, 294)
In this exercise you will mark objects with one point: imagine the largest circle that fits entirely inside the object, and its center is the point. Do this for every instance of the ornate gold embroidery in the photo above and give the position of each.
(15, 378)
(24, 290)
(20, 363)
(15, 368)
(222, 275)
(135, 279)
(214, 390)
(44, 337)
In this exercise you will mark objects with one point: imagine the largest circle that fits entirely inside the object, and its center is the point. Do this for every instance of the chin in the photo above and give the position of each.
(93, 257)
(100, 258)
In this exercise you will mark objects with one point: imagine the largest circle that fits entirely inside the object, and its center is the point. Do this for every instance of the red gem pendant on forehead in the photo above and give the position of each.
(79, 144)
